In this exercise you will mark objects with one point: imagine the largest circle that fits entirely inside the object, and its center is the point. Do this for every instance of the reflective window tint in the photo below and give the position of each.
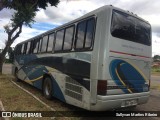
(31, 47)
(35, 46)
(22, 49)
(18, 50)
(68, 38)
(39, 47)
(59, 40)
(50, 42)
(85, 34)
(127, 27)
(28, 47)
(89, 33)
(25, 48)
(80, 34)
(44, 43)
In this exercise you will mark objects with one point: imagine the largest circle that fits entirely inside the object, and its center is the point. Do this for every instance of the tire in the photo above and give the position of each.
(47, 88)
(15, 74)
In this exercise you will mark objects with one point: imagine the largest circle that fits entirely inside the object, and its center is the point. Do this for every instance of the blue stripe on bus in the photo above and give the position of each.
(34, 70)
(76, 69)
(125, 74)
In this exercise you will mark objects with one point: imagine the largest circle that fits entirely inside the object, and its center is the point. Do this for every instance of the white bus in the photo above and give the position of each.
(98, 62)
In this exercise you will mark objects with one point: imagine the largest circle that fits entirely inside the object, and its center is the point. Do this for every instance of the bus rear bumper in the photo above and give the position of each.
(119, 101)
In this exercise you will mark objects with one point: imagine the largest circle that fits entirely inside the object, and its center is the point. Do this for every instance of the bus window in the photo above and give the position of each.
(31, 47)
(80, 35)
(59, 40)
(22, 49)
(69, 33)
(127, 27)
(85, 34)
(89, 33)
(25, 48)
(50, 42)
(44, 43)
(18, 50)
(40, 44)
(35, 46)
(28, 47)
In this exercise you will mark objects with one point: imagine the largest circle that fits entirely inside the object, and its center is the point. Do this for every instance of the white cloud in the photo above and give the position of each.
(65, 11)
(26, 34)
(6, 13)
(41, 16)
(2, 39)
(156, 45)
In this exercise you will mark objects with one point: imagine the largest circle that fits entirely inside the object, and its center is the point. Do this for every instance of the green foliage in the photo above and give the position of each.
(43, 3)
(12, 4)
(156, 57)
(8, 61)
(24, 15)
(155, 70)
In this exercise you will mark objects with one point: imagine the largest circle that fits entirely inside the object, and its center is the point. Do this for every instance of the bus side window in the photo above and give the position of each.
(44, 43)
(25, 48)
(31, 47)
(35, 46)
(80, 34)
(85, 34)
(50, 42)
(40, 44)
(28, 47)
(22, 49)
(69, 33)
(18, 50)
(59, 40)
(89, 33)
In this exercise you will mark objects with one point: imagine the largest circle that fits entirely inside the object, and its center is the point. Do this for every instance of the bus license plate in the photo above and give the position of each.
(130, 103)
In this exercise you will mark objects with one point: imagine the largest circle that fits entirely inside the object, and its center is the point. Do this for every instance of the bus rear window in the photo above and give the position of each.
(125, 26)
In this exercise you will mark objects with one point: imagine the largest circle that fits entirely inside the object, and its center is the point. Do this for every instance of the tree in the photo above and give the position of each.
(10, 54)
(156, 58)
(24, 15)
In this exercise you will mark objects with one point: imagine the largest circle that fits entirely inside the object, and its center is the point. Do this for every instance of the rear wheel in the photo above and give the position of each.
(47, 88)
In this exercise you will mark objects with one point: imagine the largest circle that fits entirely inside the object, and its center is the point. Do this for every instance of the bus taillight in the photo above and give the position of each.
(102, 87)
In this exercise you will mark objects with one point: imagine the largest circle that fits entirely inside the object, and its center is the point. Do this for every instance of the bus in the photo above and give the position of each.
(100, 61)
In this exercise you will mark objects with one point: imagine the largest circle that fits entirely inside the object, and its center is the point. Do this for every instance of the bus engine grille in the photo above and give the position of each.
(73, 89)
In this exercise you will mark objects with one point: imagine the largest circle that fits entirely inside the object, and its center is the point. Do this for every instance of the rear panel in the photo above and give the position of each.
(129, 55)
(122, 53)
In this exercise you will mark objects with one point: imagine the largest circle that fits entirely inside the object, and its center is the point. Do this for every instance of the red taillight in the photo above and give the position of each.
(102, 87)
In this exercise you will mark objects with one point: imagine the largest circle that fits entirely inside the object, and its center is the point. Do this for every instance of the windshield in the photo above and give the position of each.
(127, 27)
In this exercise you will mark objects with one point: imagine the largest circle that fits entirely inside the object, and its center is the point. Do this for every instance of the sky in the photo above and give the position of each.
(68, 10)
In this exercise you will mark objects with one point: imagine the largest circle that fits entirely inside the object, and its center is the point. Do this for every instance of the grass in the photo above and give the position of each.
(15, 99)
(155, 87)
(156, 71)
